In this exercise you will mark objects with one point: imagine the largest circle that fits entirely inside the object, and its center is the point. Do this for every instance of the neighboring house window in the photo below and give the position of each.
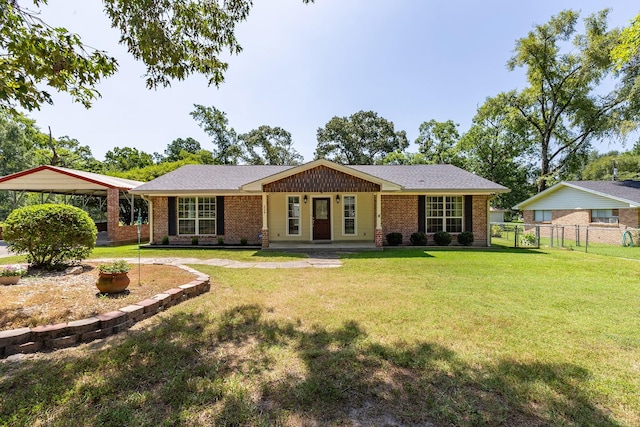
(542, 216)
(196, 215)
(293, 215)
(607, 216)
(444, 213)
(349, 203)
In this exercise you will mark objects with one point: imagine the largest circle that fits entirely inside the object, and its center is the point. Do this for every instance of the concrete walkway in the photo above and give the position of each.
(316, 260)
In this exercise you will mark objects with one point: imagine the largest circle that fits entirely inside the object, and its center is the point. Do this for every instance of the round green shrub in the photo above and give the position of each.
(394, 239)
(465, 238)
(442, 238)
(50, 235)
(418, 239)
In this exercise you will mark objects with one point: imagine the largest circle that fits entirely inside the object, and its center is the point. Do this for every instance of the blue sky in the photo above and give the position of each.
(408, 60)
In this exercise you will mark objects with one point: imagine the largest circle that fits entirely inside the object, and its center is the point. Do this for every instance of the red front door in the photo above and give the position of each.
(321, 219)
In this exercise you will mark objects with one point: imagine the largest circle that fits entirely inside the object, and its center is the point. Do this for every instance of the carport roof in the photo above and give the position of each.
(58, 180)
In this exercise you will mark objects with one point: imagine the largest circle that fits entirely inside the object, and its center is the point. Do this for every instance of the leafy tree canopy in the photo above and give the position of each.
(214, 122)
(497, 147)
(564, 106)
(438, 142)
(403, 158)
(629, 46)
(268, 145)
(627, 166)
(16, 143)
(173, 38)
(363, 138)
(126, 158)
(181, 148)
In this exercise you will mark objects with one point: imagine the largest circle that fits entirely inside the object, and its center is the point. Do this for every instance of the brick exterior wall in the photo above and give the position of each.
(115, 232)
(160, 218)
(399, 214)
(242, 218)
(576, 221)
(479, 221)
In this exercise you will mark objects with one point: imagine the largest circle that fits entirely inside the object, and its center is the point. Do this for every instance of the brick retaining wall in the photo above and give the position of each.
(63, 335)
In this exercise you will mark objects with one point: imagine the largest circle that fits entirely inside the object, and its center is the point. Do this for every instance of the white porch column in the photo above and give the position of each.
(378, 235)
(265, 220)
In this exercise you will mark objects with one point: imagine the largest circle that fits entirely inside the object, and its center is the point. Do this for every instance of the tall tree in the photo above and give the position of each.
(180, 148)
(126, 158)
(65, 152)
(363, 138)
(497, 147)
(214, 122)
(438, 141)
(16, 143)
(565, 105)
(268, 145)
(173, 38)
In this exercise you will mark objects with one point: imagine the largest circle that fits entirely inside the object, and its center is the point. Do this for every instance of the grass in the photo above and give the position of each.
(452, 337)
(131, 251)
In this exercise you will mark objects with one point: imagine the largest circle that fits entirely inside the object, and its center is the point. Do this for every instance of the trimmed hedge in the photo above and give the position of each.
(442, 238)
(465, 238)
(51, 235)
(394, 239)
(418, 239)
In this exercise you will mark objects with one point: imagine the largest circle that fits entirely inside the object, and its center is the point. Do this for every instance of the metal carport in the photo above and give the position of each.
(70, 182)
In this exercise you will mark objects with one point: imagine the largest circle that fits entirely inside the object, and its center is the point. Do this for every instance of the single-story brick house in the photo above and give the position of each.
(608, 208)
(319, 201)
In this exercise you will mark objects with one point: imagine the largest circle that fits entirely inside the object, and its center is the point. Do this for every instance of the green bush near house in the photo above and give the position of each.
(394, 238)
(465, 238)
(52, 236)
(442, 238)
(418, 239)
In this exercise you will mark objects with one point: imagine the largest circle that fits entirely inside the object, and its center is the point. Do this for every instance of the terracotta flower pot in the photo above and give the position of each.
(112, 283)
(9, 280)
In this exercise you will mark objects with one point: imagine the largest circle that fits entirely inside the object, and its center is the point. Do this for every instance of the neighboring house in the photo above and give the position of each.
(320, 201)
(608, 208)
(496, 215)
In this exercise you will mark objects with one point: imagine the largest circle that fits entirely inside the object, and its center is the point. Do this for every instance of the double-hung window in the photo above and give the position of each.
(349, 209)
(542, 216)
(196, 215)
(293, 215)
(607, 216)
(444, 213)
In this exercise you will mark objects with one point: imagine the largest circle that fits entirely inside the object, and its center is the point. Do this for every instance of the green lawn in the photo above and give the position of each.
(452, 337)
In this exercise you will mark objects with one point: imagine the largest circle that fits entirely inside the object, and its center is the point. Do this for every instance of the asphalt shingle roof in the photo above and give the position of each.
(410, 177)
(627, 190)
(210, 177)
(430, 177)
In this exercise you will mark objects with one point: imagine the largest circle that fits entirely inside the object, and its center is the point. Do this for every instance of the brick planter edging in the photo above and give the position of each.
(63, 335)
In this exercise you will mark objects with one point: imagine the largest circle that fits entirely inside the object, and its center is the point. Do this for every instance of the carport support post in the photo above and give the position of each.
(113, 213)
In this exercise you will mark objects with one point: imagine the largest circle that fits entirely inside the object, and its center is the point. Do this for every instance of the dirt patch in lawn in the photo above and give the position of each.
(43, 297)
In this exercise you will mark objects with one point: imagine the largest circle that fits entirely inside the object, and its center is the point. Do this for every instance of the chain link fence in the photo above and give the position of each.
(588, 238)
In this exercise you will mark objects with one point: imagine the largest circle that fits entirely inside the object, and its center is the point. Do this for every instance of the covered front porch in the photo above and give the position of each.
(321, 204)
